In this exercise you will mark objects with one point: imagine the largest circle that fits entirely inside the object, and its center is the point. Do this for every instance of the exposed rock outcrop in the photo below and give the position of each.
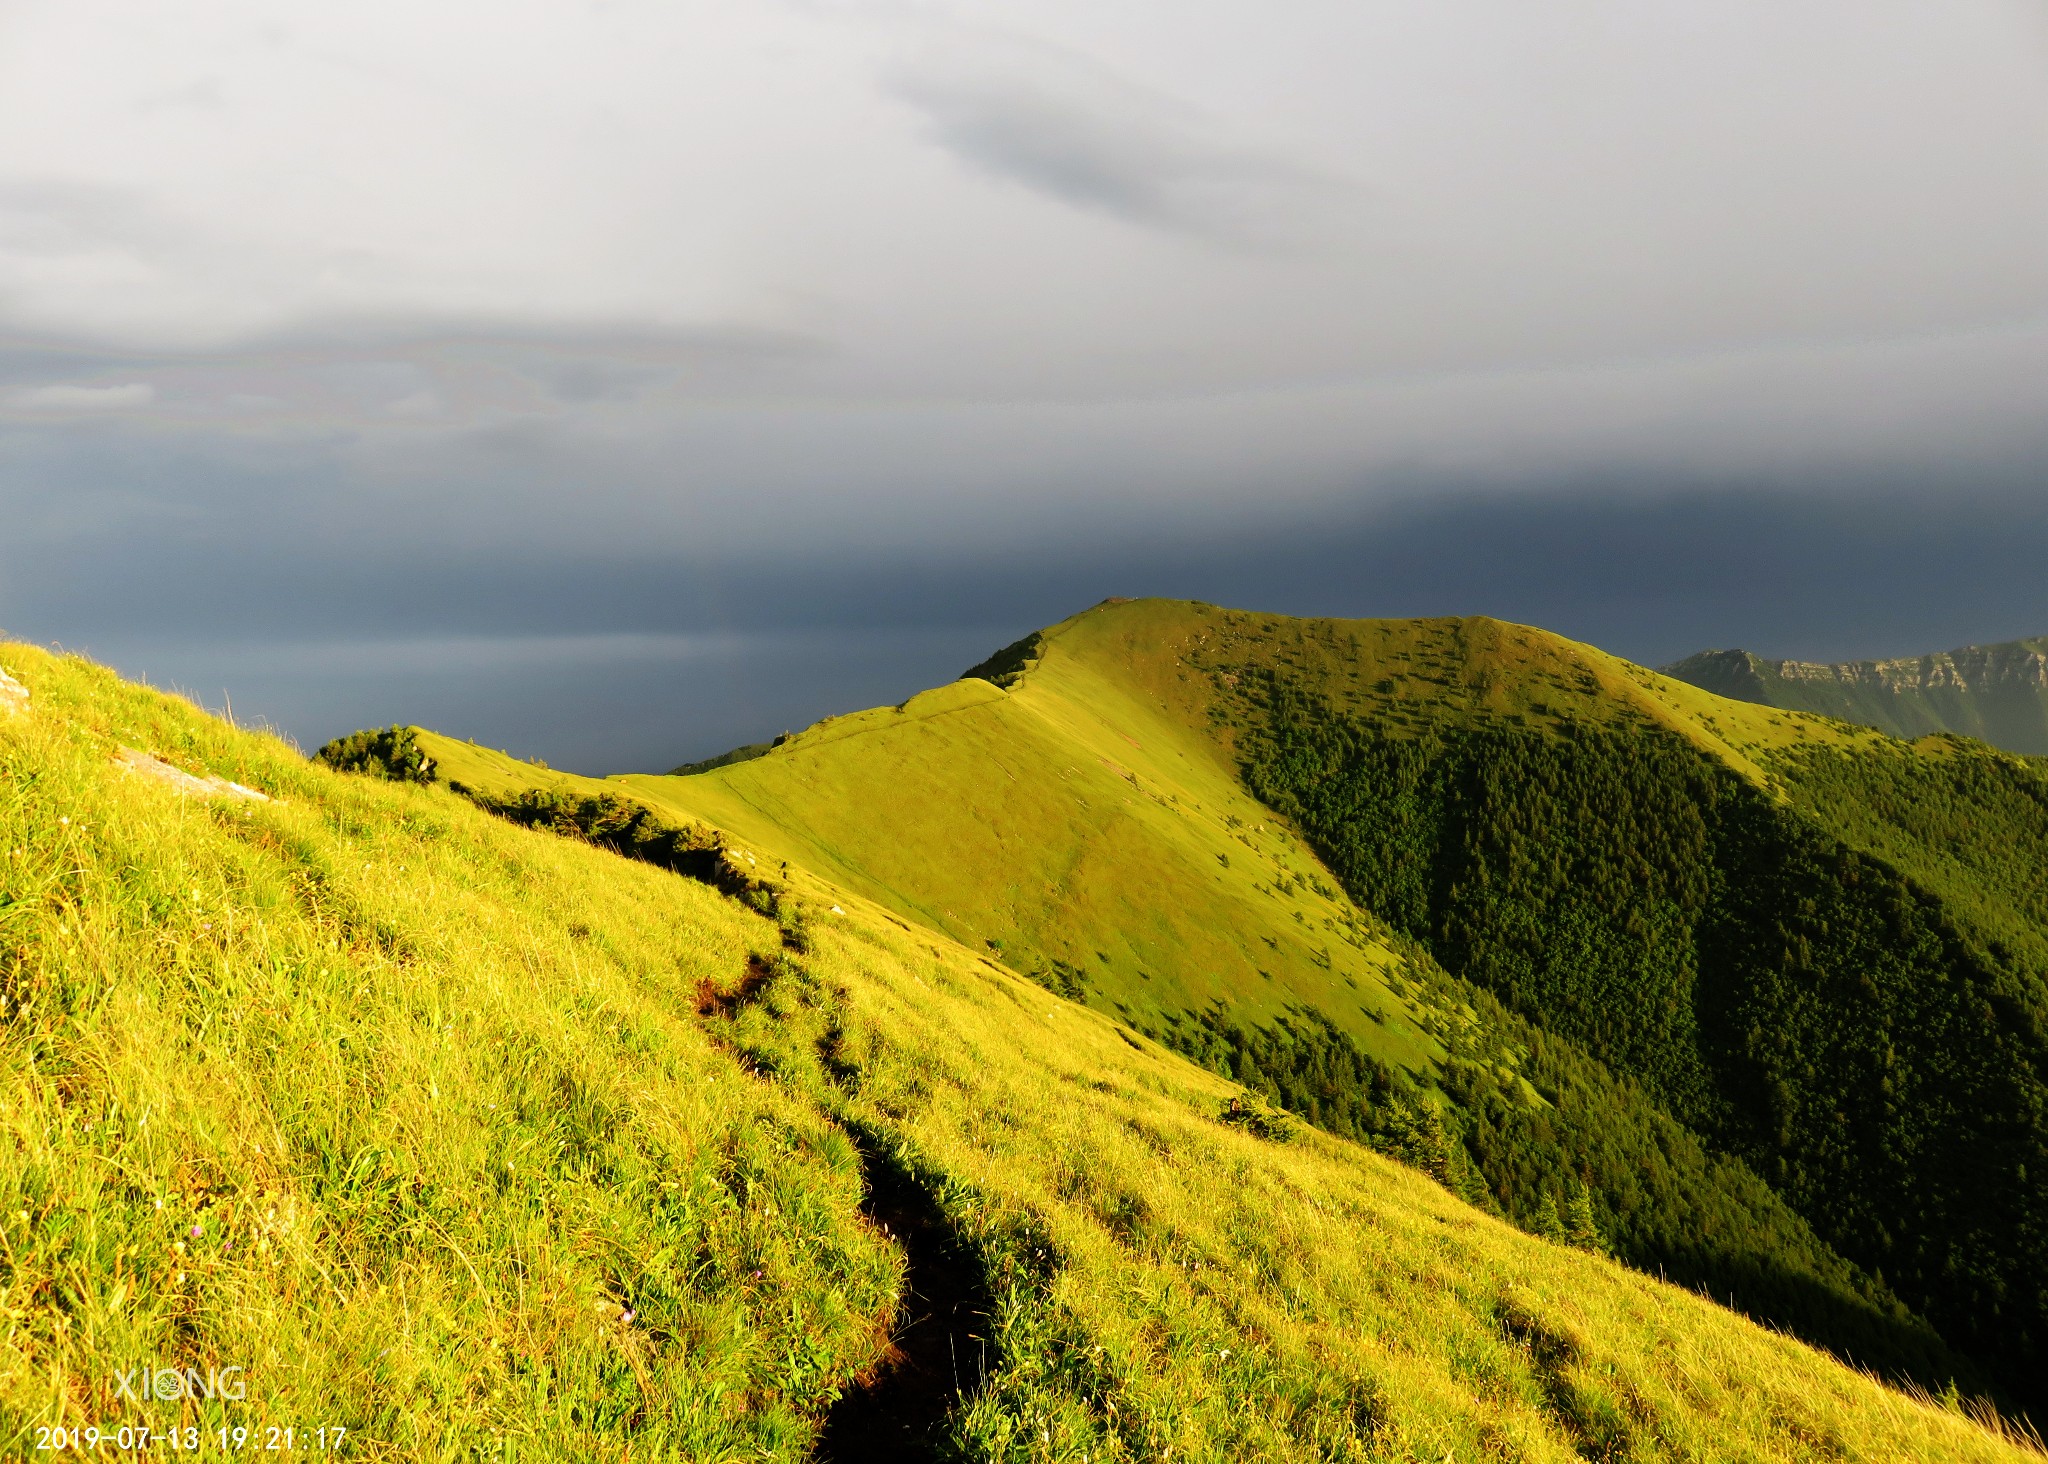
(1998, 693)
(209, 786)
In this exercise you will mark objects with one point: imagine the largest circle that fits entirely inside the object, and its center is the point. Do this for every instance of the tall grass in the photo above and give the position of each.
(403, 1111)
(412, 1115)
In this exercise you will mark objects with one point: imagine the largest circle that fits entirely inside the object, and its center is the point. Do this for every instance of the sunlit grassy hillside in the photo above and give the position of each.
(1730, 991)
(475, 1141)
(1084, 809)
(401, 1110)
(1091, 823)
(1074, 824)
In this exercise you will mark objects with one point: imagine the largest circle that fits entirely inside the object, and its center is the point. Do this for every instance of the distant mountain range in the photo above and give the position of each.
(1996, 693)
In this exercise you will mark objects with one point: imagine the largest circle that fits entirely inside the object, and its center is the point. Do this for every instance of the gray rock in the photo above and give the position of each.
(209, 786)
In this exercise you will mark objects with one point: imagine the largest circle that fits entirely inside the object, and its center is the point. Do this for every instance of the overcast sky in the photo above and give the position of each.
(617, 381)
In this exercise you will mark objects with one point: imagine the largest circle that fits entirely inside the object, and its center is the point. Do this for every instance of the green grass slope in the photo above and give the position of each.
(1998, 693)
(1090, 819)
(402, 1111)
(479, 1142)
(1073, 824)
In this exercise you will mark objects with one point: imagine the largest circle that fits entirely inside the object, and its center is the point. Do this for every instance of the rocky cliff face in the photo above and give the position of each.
(1998, 693)
(2013, 664)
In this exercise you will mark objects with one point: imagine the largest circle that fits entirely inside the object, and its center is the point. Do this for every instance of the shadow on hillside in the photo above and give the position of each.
(940, 1353)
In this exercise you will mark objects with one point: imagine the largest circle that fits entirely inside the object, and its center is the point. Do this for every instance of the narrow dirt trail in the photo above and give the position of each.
(942, 1351)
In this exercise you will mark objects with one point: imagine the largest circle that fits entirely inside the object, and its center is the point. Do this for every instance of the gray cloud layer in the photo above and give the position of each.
(604, 646)
(623, 381)
(745, 649)
(1079, 135)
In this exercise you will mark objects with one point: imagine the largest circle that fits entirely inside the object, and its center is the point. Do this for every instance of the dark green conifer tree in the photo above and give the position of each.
(1582, 1226)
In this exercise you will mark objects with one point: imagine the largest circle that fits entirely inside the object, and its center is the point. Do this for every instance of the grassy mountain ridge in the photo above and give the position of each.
(1068, 825)
(1718, 914)
(475, 1140)
(1099, 793)
(1997, 693)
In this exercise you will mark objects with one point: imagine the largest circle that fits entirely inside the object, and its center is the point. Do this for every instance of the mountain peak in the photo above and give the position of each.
(1997, 693)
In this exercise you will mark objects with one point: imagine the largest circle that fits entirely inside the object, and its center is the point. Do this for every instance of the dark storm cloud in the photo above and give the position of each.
(1818, 569)
(621, 651)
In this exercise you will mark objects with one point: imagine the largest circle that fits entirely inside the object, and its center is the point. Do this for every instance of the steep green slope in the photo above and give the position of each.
(479, 1142)
(1998, 693)
(400, 1111)
(1820, 948)
(1085, 833)
(1092, 805)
